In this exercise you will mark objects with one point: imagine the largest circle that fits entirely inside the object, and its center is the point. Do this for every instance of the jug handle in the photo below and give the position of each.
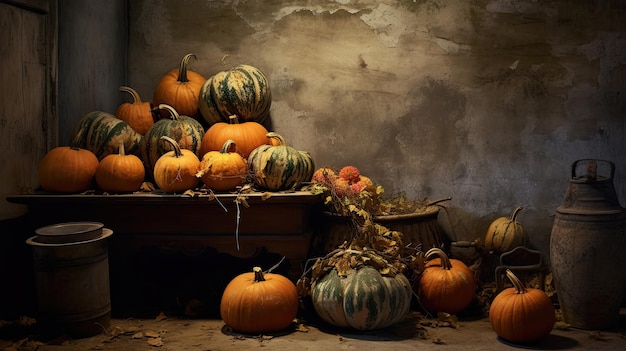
(611, 165)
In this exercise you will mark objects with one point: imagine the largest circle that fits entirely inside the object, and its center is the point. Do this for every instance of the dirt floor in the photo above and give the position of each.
(417, 332)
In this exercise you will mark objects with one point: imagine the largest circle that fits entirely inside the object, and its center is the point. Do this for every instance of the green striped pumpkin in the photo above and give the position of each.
(243, 91)
(363, 299)
(101, 133)
(184, 130)
(279, 167)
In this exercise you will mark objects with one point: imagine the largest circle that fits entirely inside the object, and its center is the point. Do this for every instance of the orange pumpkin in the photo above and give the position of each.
(223, 170)
(120, 173)
(138, 114)
(180, 88)
(248, 136)
(255, 302)
(445, 285)
(521, 315)
(67, 169)
(175, 171)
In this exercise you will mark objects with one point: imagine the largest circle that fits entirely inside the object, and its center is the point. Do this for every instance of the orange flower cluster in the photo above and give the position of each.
(347, 187)
(348, 182)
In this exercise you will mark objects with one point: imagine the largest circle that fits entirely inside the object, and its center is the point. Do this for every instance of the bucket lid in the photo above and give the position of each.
(69, 232)
(35, 240)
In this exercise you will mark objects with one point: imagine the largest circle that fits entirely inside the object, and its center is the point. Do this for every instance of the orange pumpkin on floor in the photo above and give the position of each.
(257, 302)
(521, 315)
(445, 285)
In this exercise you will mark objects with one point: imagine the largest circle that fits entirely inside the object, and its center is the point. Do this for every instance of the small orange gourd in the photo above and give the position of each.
(248, 136)
(257, 302)
(175, 171)
(445, 285)
(67, 169)
(120, 173)
(180, 88)
(223, 170)
(505, 234)
(138, 114)
(521, 315)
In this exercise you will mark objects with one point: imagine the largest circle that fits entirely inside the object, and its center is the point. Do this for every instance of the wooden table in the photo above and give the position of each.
(279, 222)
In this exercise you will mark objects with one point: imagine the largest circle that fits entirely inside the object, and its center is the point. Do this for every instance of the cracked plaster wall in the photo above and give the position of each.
(488, 102)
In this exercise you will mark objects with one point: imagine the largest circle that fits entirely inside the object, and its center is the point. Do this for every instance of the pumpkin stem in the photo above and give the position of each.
(173, 113)
(177, 152)
(445, 261)
(258, 274)
(233, 119)
(121, 151)
(519, 287)
(133, 92)
(274, 135)
(182, 70)
(519, 208)
(228, 147)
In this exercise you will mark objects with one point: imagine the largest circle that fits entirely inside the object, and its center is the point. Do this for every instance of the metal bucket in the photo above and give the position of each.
(72, 281)
(587, 247)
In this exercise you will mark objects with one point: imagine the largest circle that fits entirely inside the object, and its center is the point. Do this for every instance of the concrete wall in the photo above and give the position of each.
(488, 102)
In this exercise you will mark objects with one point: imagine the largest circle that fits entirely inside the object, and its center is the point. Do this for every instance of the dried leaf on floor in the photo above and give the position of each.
(156, 342)
(115, 331)
(596, 335)
(132, 329)
(447, 320)
(24, 345)
(27, 321)
(151, 334)
(262, 338)
(560, 325)
(302, 328)
(161, 316)
(438, 341)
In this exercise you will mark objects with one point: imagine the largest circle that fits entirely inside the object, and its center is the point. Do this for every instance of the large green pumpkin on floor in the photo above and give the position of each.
(280, 167)
(243, 91)
(184, 130)
(363, 299)
(101, 133)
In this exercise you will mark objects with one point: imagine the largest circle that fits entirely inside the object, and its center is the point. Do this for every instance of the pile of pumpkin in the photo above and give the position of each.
(363, 285)
(168, 144)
